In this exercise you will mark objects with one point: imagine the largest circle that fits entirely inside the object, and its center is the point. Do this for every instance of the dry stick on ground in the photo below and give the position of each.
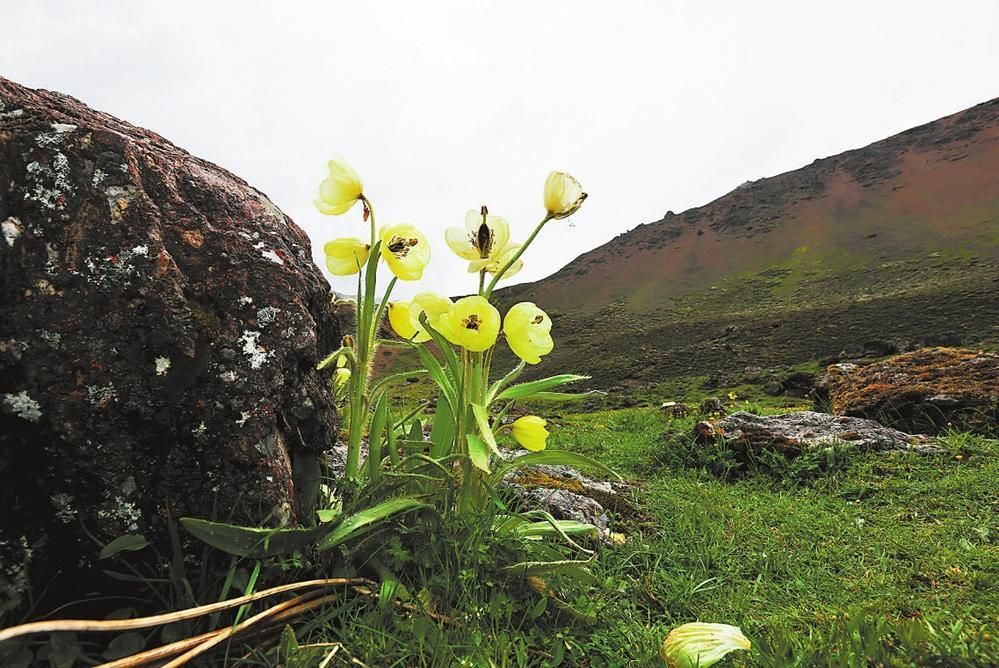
(166, 651)
(88, 625)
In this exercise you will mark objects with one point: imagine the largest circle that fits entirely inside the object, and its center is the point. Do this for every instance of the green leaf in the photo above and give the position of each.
(326, 515)
(130, 542)
(378, 422)
(482, 420)
(252, 542)
(560, 527)
(525, 390)
(575, 569)
(450, 358)
(437, 374)
(500, 384)
(557, 457)
(478, 452)
(442, 433)
(369, 520)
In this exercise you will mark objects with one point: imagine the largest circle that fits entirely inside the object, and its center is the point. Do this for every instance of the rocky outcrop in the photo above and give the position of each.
(928, 390)
(160, 328)
(794, 433)
(569, 495)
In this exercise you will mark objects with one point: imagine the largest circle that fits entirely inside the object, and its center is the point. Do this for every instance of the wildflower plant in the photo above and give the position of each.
(399, 475)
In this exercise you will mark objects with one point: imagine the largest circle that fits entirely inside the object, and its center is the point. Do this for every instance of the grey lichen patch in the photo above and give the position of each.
(11, 229)
(54, 339)
(124, 514)
(267, 315)
(22, 406)
(99, 176)
(62, 505)
(269, 254)
(101, 396)
(255, 353)
(117, 268)
(51, 184)
(162, 365)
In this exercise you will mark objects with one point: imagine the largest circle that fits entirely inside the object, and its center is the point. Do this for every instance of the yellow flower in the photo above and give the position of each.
(501, 259)
(434, 305)
(340, 378)
(563, 195)
(472, 323)
(479, 240)
(528, 332)
(398, 316)
(345, 256)
(405, 249)
(699, 645)
(530, 432)
(340, 190)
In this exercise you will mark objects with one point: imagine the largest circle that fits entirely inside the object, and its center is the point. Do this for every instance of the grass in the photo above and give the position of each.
(860, 559)
(834, 559)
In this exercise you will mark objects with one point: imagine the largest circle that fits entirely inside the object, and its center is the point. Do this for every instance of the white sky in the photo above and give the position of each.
(445, 106)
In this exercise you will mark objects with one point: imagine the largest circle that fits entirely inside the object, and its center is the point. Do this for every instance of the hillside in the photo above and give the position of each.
(889, 245)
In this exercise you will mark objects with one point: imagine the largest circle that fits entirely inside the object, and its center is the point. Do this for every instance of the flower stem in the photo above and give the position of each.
(516, 256)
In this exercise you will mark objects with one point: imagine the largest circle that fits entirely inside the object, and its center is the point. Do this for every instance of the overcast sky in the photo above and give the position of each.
(443, 106)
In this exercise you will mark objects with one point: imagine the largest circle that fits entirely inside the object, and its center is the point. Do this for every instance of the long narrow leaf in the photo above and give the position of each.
(482, 420)
(252, 542)
(368, 520)
(478, 452)
(501, 384)
(557, 457)
(525, 390)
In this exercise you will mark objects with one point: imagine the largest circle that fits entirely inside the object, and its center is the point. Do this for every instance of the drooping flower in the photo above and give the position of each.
(340, 190)
(405, 249)
(699, 645)
(398, 317)
(530, 432)
(528, 332)
(434, 306)
(340, 378)
(472, 323)
(563, 195)
(346, 256)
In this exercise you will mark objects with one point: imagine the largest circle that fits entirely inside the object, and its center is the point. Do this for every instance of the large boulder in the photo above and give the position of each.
(159, 334)
(928, 390)
(797, 432)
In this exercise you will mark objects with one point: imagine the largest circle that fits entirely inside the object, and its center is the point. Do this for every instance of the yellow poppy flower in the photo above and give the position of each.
(699, 645)
(472, 323)
(405, 250)
(345, 256)
(434, 305)
(479, 240)
(340, 190)
(563, 195)
(398, 317)
(530, 432)
(528, 332)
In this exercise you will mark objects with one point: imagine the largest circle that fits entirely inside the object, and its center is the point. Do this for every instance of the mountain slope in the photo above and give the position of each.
(896, 241)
